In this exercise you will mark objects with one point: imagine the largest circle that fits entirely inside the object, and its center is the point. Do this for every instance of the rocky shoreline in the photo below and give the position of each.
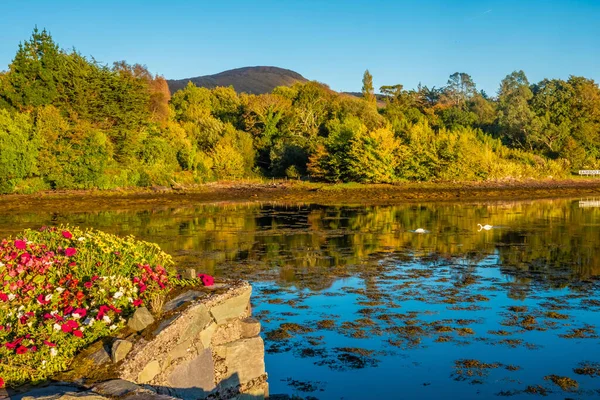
(204, 345)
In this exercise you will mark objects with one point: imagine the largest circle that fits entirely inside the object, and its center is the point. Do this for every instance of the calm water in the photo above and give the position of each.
(355, 305)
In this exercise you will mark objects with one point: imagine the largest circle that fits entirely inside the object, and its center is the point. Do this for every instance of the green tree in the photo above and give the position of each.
(368, 90)
(515, 116)
(18, 149)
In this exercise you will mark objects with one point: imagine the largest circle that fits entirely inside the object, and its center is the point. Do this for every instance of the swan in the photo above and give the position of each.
(420, 230)
(486, 227)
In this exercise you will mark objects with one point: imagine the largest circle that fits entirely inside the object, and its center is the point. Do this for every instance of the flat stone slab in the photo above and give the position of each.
(231, 308)
(45, 392)
(244, 360)
(193, 379)
(182, 299)
(116, 388)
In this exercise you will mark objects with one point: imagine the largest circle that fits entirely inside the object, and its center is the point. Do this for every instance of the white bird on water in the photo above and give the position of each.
(420, 230)
(486, 227)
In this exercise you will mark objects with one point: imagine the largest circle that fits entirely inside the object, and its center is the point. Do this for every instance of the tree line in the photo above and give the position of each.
(70, 122)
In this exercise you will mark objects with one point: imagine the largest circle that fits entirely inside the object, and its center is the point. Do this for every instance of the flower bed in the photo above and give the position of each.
(64, 288)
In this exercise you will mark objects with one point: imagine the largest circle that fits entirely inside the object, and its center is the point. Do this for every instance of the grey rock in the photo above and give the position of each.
(120, 349)
(116, 388)
(232, 308)
(46, 392)
(243, 360)
(141, 319)
(194, 378)
(182, 299)
(164, 324)
(100, 356)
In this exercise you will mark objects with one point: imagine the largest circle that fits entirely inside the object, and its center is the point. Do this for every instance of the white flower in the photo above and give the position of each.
(53, 312)
(113, 327)
(43, 363)
(48, 297)
(82, 328)
(60, 289)
(1, 264)
(130, 299)
(118, 295)
(81, 239)
(57, 327)
(11, 297)
(76, 315)
(106, 319)
(53, 352)
(19, 314)
(30, 324)
(21, 308)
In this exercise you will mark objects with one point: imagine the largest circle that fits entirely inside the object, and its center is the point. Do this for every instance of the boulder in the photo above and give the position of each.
(141, 319)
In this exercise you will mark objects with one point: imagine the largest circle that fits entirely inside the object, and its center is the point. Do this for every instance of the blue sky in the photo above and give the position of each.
(332, 41)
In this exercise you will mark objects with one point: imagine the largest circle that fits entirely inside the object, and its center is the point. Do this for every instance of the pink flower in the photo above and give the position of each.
(67, 235)
(20, 244)
(77, 333)
(88, 285)
(21, 350)
(49, 344)
(70, 251)
(138, 302)
(206, 279)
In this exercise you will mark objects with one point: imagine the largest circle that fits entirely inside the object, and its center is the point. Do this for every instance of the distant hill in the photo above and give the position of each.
(255, 80)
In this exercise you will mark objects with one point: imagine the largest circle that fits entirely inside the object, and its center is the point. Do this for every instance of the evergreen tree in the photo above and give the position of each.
(368, 91)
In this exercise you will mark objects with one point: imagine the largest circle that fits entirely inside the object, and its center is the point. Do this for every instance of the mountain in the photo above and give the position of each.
(255, 80)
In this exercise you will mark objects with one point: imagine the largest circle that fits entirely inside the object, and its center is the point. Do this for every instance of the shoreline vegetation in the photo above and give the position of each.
(68, 122)
(290, 192)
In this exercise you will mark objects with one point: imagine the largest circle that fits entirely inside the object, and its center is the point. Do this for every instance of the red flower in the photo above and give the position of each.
(20, 244)
(81, 312)
(138, 302)
(3, 297)
(69, 326)
(78, 333)
(1, 383)
(42, 299)
(49, 344)
(21, 350)
(206, 279)
(67, 235)
(70, 251)
(68, 310)
(88, 285)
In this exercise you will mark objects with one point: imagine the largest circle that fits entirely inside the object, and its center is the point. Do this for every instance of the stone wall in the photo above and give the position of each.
(204, 345)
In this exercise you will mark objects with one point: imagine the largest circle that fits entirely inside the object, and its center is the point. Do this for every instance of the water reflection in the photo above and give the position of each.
(349, 296)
